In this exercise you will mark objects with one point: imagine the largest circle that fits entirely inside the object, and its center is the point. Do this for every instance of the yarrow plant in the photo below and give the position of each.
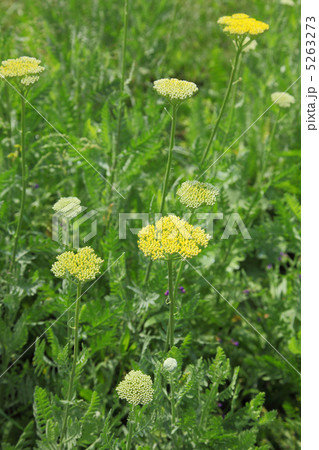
(81, 267)
(137, 389)
(68, 206)
(22, 72)
(170, 365)
(240, 27)
(194, 194)
(172, 238)
(176, 92)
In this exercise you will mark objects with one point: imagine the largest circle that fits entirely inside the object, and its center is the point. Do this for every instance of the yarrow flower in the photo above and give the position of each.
(282, 99)
(240, 24)
(194, 193)
(25, 69)
(175, 90)
(249, 45)
(170, 364)
(172, 236)
(83, 265)
(136, 388)
(68, 207)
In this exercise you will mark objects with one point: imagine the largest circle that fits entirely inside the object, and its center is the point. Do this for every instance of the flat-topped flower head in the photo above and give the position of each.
(194, 193)
(242, 24)
(81, 266)
(136, 388)
(282, 99)
(175, 90)
(172, 236)
(25, 69)
(68, 207)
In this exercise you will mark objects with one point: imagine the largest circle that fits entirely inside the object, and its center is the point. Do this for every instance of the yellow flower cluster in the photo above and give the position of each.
(172, 236)
(282, 99)
(136, 388)
(24, 67)
(240, 24)
(83, 265)
(194, 193)
(175, 89)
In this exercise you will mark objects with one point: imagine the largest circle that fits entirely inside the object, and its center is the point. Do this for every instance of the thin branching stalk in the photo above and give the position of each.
(227, 93)
(75, 357)
(24, 182)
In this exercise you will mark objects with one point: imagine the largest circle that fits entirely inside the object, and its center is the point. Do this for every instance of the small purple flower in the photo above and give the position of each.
(166, 293)
(269, 266)
(219, 404)
(36, 186)
(259, 319)
(282, 253)
(246, 291)
(182, 289)
(236, 343)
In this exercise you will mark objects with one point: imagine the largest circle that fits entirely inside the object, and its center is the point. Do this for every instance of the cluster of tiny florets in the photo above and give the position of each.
(175, 89)
(240, 24)
(282, 99)
(194, 193)
(68, 207)
(172, 236)
(83, 265)
(170, 364)
(24, 68)
(136, 388)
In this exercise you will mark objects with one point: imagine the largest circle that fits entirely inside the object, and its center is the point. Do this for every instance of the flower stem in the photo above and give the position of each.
(229, 87)
(24, 181)
(130, 431)
(172, 398)
(75, 357)
(166, 178)
(169, 159)
(170, 328)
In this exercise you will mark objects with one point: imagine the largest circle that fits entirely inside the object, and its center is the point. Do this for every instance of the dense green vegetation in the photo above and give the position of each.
(237, 320)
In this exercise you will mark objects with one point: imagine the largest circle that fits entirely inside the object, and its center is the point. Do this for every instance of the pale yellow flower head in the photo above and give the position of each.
(282, 99)
(242, 24)
(172, 236)
(82, 266)
(68, 207)
(194, 193)
(175, 90)
(136, 388)
(25, 69)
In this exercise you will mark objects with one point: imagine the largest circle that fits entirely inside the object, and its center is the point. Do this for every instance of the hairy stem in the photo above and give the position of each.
(24, 181)
(172, 398)
(130, 431)
(75, 357)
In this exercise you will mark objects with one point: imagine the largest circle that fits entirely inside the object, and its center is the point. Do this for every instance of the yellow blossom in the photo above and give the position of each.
(175, 89)
(24, 68)
(241, 24)
(172, 236)
(83, 265)
(194, 193)
(136, 388)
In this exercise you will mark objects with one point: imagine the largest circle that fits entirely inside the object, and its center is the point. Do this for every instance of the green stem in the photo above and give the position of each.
(170, 334)
(24, 181)
(172, 398)
(130, 431)
(169, 159)
(166, 178)
(229, 87)
(116, 147)
(75, 357)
